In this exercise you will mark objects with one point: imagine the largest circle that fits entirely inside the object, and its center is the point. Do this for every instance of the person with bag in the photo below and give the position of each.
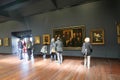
(52, 50)
(87, 50)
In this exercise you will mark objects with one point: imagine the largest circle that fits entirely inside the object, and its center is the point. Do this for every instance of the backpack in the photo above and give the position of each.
(84, 49)
(20, 45)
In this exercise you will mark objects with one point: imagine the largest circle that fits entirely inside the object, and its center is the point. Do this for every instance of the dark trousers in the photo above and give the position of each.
(53, 56)
(29, 52)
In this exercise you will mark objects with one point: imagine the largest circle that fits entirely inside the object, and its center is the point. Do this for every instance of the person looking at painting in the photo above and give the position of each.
(52, 50)
(59, 50)
(20, 47)
(29, 48)
(87, 50)
(44, 51)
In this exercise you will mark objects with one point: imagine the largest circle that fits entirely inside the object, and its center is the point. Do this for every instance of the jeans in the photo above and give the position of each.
(53, 56)
(60, 57)
(29, 52)
(20, 54)
(87, 61)
(44, 55)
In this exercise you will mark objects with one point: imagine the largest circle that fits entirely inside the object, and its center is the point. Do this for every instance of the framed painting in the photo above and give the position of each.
(37, 39)
(0, 42)
(97, 36)
(118, 29)
(46, 39)
(72, 37)
(118, 39)
(6, 41)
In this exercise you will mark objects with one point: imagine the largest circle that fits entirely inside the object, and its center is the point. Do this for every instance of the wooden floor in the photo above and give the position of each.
(11, 68)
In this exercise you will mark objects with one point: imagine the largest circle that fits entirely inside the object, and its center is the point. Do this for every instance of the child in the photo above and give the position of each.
(44, 51)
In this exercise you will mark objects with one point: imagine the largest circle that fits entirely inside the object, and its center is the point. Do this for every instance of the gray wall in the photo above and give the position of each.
(5, 31)
(94, 15)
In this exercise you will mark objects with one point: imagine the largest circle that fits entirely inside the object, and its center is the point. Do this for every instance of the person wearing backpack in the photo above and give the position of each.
(87, 50)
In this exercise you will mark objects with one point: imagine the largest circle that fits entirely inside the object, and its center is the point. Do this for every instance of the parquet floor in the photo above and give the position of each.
(11, 68)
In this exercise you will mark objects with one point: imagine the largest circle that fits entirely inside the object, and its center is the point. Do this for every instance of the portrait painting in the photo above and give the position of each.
(72, 37)
(37, 39)
(46, 39)
(97, 36)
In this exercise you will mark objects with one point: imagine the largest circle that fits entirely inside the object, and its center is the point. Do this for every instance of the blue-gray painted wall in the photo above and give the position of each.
(93, 15)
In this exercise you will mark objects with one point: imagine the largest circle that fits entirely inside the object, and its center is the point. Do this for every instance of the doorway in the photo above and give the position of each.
(16, 36)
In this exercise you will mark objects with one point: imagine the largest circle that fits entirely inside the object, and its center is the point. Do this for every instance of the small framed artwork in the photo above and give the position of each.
(6, 41)
(0, 42)
(118, 29)
(97, 36)
(37, 39)
(46, 39)
(118, 39)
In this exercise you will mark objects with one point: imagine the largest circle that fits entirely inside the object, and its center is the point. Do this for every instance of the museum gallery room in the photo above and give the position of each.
(30, 27)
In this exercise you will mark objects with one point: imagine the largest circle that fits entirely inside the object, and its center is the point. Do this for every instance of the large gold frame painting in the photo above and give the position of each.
(72, 37)
(97, 36)
(46, 39)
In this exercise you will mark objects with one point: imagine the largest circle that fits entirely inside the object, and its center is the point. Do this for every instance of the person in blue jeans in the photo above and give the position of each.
(20, 47)
(59, 50)
(52, 50)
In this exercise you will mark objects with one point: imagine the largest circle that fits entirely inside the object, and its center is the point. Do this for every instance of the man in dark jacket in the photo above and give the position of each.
(87, 50)
(29, 49)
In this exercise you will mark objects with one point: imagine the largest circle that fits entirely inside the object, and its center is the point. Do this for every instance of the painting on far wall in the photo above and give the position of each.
(6, 41)
(37, 40)
(97, 36)
(0, 41)
(118, 29)
(46, 39)
(118, 39)
(72, 37)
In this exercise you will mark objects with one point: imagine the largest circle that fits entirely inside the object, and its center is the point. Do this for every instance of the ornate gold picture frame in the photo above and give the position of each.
(118, 29)
(118, 39)
(46, 39)
(6, 41)
(72, 37)
(37, 39)
(97, 36)
(0, 41)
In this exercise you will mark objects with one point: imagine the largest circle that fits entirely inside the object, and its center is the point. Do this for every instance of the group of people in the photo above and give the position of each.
(21, 46)
(56, 50)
